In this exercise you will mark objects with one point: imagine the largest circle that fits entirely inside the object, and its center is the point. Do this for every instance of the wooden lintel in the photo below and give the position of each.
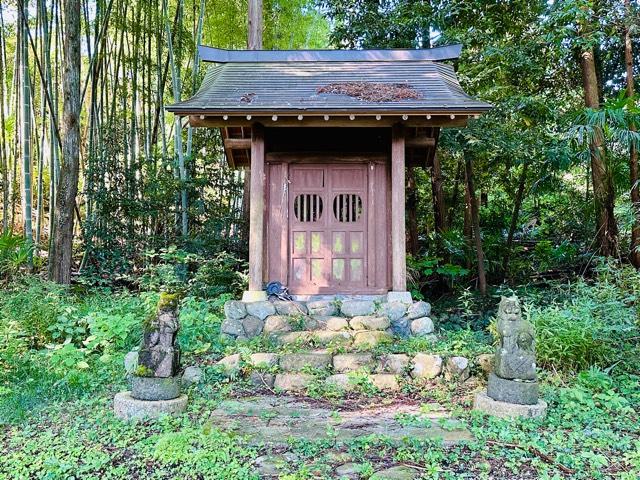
(326, 157)
(237, 143)
(217, 121)
(420, 142)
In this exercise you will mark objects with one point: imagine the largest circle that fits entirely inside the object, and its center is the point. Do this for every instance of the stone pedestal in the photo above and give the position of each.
(128, 408)
(488, 405)
(512, 391)
(154, 388)
(150, 397)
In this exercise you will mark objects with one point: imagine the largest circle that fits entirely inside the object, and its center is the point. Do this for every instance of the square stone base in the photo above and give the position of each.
(249, 296)
(488, 405)
(401, 297)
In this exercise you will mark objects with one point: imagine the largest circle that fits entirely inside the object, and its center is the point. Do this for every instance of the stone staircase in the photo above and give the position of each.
(356, 323)
(342, 373)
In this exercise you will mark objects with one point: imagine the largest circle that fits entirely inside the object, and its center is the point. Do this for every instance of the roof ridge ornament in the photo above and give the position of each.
(219, 55)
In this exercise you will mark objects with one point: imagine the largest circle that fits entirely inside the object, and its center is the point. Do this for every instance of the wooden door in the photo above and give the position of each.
(328, 228)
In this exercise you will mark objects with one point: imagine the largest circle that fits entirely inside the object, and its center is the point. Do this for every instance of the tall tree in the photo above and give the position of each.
(61, 263)
(475, 223)
(633, 152)
(25, 122)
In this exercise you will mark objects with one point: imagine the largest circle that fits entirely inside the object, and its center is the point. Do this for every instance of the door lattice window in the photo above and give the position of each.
(307, 207)
(347, 207)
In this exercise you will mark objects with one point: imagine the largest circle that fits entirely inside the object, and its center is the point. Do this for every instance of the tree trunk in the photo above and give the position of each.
(60, 268)
(603, 190)
(633, 153)
(25, 124)
(4, 151)
(475, 222)
(437, 191)
(412, 212)
(514, 217)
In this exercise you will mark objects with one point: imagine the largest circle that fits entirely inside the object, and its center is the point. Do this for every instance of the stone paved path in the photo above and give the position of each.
(272, 420)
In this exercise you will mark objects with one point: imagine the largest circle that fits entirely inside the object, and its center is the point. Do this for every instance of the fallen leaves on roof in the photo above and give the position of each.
(372, 91)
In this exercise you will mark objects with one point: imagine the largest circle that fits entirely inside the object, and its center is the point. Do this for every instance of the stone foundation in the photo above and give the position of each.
(350, 321)
(486, 404)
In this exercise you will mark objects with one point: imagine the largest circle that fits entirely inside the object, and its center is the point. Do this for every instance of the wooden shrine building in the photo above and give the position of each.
(327, 135)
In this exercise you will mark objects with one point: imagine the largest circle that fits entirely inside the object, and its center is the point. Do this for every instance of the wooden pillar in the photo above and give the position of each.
(256, 215)
(398, 247)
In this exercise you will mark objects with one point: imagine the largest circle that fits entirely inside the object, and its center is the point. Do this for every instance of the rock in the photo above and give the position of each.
(293, 382)
(354, 308)
(131, 361)
(324, 308)
(191, 376)
(393, 310)
(262, 379)
(400, 327)
(422, 326)
(457, 368)
(235, 310)
(418, 309)
(349, 470)
(285, 307)
(371, 338)
(426, 366)
(308, 323)
(273, 465)
(263, 360)
(396, 473)
(342, 381)
(294, 362)
(369, 322)
(387, 382)
(394, 363)
(128, 408)
(252, 326)
(325, 338)
(230, 364)
(336, 323)
(292, 338)
(261, 309)
(484, 362)
(232, 326)
(155, 388)
(512, 391)
(486, 404)
(276, 324)
(349, 362)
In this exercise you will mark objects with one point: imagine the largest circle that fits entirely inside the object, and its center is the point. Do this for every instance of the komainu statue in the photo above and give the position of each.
(515, 356)
(514, 377)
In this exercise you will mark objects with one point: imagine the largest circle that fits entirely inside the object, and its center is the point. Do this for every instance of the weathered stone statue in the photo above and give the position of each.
(515, 357)
(155, 383)
(512, 389)
(159, 354)
(514, 377)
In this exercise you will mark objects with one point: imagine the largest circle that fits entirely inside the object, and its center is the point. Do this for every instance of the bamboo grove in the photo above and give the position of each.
(559, 150)
(144, 179)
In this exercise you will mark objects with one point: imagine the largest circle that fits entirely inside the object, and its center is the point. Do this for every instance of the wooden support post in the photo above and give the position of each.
(256, 216)
(398, 247)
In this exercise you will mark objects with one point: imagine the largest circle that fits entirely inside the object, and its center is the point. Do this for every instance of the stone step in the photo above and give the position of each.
(275, 420)
(347, 372)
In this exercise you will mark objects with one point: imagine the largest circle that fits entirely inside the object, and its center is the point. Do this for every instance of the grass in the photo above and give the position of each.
(56, 400)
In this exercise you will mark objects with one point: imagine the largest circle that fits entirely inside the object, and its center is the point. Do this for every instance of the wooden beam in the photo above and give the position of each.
(217, 121)
(237, 143)
(420, 142)
(327, 157)
(256, 212)
(398, 240)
